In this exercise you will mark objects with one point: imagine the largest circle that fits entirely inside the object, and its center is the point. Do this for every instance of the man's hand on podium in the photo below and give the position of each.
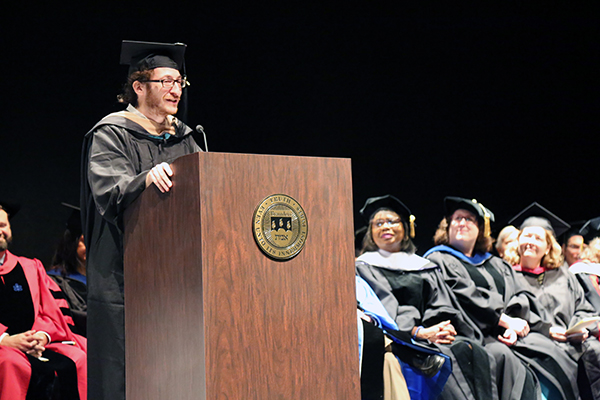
(160, 176)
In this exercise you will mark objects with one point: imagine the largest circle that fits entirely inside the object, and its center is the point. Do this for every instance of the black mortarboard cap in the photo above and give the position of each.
(537, 215)
(591, 229)
(11, 207)
(74, 221)
(391, 203)
(150, 55)
(452, 203)
(572, 231)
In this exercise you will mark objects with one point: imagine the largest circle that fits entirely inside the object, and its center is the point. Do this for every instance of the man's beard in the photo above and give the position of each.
(4, 242)
(156, 103)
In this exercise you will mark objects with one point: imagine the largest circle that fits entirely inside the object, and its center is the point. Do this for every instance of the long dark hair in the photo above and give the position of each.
(65, 258)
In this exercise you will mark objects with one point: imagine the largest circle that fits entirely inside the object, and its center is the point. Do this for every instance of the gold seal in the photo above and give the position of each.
(280, 226)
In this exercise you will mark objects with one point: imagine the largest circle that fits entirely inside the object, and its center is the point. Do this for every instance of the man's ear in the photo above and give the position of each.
(138, 87)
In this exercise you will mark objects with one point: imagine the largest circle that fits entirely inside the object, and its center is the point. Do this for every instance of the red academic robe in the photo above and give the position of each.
(15, 370)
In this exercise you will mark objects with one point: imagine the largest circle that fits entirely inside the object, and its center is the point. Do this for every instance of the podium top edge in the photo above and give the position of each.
(202, 153)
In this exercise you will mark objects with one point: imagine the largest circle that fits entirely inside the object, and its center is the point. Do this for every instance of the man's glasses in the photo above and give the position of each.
(168, 83)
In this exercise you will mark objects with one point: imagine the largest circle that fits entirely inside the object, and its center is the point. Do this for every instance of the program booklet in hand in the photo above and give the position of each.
(584, 323)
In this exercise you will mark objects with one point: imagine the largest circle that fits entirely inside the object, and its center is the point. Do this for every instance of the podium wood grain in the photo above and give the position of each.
(209, 316)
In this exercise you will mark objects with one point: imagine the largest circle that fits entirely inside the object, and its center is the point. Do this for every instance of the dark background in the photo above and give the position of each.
(496, 102)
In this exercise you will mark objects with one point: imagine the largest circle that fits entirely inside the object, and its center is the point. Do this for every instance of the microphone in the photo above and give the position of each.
(200, 129)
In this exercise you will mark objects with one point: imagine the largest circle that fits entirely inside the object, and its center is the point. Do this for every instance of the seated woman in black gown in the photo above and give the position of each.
(413, 293)
(539, 264)
(491, 296)
(69, 272)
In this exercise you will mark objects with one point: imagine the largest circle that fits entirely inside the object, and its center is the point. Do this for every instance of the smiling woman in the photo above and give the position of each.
(388, 231)
(463, 231)
(413, 292)
(492, 299)
(537, 247)
(537, 258)
(465, 228)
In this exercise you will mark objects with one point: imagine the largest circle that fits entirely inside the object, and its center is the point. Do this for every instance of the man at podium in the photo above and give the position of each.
(123, 154)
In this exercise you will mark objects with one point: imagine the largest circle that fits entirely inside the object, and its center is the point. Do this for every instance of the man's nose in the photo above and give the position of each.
(176, 89)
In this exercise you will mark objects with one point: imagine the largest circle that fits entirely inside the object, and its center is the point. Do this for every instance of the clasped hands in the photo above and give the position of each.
(443, 333)
(515, 327)
(29, 342)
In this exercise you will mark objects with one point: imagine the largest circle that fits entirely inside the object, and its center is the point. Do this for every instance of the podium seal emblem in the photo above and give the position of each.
(280, 227)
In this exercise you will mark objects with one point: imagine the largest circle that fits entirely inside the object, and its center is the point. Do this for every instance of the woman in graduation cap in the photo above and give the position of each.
(491, 296)
(69, 270)
(538, 260)
(413, 293)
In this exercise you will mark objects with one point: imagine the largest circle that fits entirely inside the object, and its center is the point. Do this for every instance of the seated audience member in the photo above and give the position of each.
(492, 297)
(35, 341)
(392, 366)
(69, 272)
(587, 271)
(539, 263)
(413, 293)
(506, 238)
(572, 246)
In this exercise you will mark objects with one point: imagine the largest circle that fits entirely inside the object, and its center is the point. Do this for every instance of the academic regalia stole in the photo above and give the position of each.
(480, 280)
(371, 379)
(16, 306)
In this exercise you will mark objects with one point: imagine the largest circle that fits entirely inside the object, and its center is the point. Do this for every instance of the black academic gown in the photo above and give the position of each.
(75, 293)
(117, 154)
(564, 304)
(414, 293)
(588, 276)
(488, 287)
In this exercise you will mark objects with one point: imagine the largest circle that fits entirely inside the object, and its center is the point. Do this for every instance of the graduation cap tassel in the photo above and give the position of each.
(412, 226)
(487, 230)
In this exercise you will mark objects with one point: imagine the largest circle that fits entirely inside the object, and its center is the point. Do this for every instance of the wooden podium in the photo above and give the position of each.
(209, 316)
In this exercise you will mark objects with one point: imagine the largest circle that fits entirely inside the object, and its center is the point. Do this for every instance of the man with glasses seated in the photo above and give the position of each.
(125, 153)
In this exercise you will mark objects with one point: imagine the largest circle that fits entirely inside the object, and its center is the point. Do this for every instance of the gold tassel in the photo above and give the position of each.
(487, 230)
(412, 226)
